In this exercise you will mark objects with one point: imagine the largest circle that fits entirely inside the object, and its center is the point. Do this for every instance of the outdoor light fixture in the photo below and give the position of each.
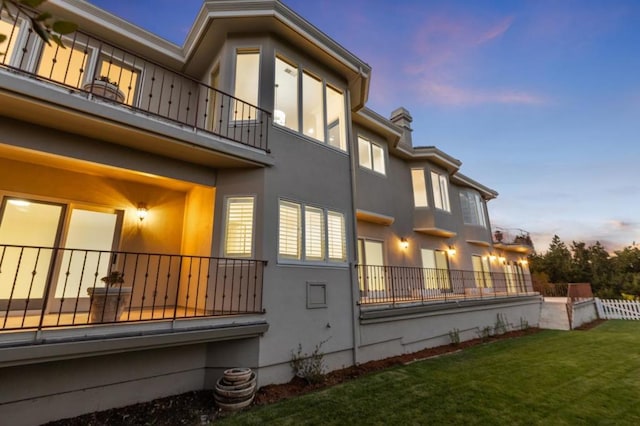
(492, 257)
(142, 211)
(524, 261)
(502, 260)
(404, 244)
(451, 251)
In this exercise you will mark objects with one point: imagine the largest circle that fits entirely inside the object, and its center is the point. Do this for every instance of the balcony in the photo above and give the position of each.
(402, 285)
(516, 240)
(45, 287)
(112, 76)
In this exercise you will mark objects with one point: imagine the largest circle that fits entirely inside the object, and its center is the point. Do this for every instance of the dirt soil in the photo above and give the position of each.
(196, 408)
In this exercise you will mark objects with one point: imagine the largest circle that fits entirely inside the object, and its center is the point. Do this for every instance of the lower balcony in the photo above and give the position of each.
(404, 285)
(45, 287)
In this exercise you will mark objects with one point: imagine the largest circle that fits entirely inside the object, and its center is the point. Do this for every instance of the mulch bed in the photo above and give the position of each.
(188, 408)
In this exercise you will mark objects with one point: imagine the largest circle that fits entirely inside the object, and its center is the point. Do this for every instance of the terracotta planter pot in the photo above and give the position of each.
(108, 303)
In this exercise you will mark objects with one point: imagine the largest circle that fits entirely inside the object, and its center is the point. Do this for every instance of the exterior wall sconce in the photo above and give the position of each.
(404, 244)
(451, 251)
(502, 260)
(492, 257)
(142, 211)
(524, 262)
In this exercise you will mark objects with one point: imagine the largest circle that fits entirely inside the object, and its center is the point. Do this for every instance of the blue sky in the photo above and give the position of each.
(540, 99)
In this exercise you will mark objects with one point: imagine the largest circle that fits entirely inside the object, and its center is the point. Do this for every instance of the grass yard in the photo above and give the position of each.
(549, 378)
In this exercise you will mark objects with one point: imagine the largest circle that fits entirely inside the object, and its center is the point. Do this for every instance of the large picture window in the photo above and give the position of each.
(371, 155)
(440, 191)
(472, 208)
(419, 188)
(238, 235)
(310, 234)
(305, 103)
(247, 79)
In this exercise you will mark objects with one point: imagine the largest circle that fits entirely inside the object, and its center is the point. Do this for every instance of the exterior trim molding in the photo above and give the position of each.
(436, 232)
(376, 218)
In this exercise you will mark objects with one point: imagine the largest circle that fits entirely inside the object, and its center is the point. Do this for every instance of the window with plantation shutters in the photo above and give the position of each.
(289, 230)
(313, 233)
(336, 237)
(310, 234)
(238, 239)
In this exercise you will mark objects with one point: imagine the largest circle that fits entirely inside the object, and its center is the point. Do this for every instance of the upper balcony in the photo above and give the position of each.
(516, 240)
(92, 80)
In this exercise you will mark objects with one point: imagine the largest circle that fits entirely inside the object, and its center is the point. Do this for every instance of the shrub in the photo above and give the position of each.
(309, 366)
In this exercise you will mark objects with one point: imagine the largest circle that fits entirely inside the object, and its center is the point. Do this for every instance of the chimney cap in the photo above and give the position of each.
(400, 114)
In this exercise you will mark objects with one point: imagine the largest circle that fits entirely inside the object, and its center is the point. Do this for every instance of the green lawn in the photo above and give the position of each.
(549, 378)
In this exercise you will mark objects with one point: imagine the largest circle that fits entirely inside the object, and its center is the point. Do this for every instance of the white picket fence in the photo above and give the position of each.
(618, 309)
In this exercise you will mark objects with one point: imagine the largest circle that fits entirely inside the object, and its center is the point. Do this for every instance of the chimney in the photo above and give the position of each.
(401, 118)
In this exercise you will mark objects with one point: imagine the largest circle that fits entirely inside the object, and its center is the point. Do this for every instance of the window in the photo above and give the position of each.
(371, 271)
(472, 208)
(482, 271)
(247, 80)
(311, 234)
(314, 233)
(238, 239)
(419, 188)
(125, 77)
(371, 155)
(289, 233)
(335, 119)
(310, 103)
(7, 46)
(285, 112)
(440, 191)
(66, 66)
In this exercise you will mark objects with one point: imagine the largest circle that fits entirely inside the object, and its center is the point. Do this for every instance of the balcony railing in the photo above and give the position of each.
(103, 71)
(512, 237)
(399, 284)
(43, 287)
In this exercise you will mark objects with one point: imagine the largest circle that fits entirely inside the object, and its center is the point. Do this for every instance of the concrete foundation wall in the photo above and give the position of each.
(422, 327)
(36, 393)
(584, 313)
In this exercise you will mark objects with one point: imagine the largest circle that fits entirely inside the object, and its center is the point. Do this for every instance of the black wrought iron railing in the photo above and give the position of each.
(44, 287)
(109, 73)
(399, 284)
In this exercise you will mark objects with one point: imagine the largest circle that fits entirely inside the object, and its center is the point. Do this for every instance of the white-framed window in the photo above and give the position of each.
(305, 103)
(419, 188)
(472, 208)
(440, 186)
(307, 233)
(246, 85)
(371, 155)
(11, 27)
(238, 229)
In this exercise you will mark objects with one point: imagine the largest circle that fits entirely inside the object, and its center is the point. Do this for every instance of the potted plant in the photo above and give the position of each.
(105, 88)
(108, 303)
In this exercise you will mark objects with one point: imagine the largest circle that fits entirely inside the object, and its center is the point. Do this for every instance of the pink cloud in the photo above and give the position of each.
(433, 92)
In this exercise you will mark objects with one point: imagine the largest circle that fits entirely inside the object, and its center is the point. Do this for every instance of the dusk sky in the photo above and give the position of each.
(539, 99)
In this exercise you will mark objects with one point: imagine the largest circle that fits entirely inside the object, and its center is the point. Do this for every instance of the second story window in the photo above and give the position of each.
(305, 103)
(247, 79)
(440, 187)
(238, 231)
(371, 155)
(419, 188)
(472, 208)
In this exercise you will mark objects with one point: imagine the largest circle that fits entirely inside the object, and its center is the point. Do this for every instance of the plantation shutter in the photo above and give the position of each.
(314, 233)
(289, 232)
(336, 237)
(238, 240)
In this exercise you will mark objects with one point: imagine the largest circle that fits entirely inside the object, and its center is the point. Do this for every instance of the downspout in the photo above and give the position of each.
(355, 289)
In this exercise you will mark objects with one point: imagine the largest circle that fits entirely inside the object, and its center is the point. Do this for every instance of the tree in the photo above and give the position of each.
(44, 24)
(557, 261)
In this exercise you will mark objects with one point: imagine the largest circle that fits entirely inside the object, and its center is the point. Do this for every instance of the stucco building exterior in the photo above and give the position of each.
(247, 197)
